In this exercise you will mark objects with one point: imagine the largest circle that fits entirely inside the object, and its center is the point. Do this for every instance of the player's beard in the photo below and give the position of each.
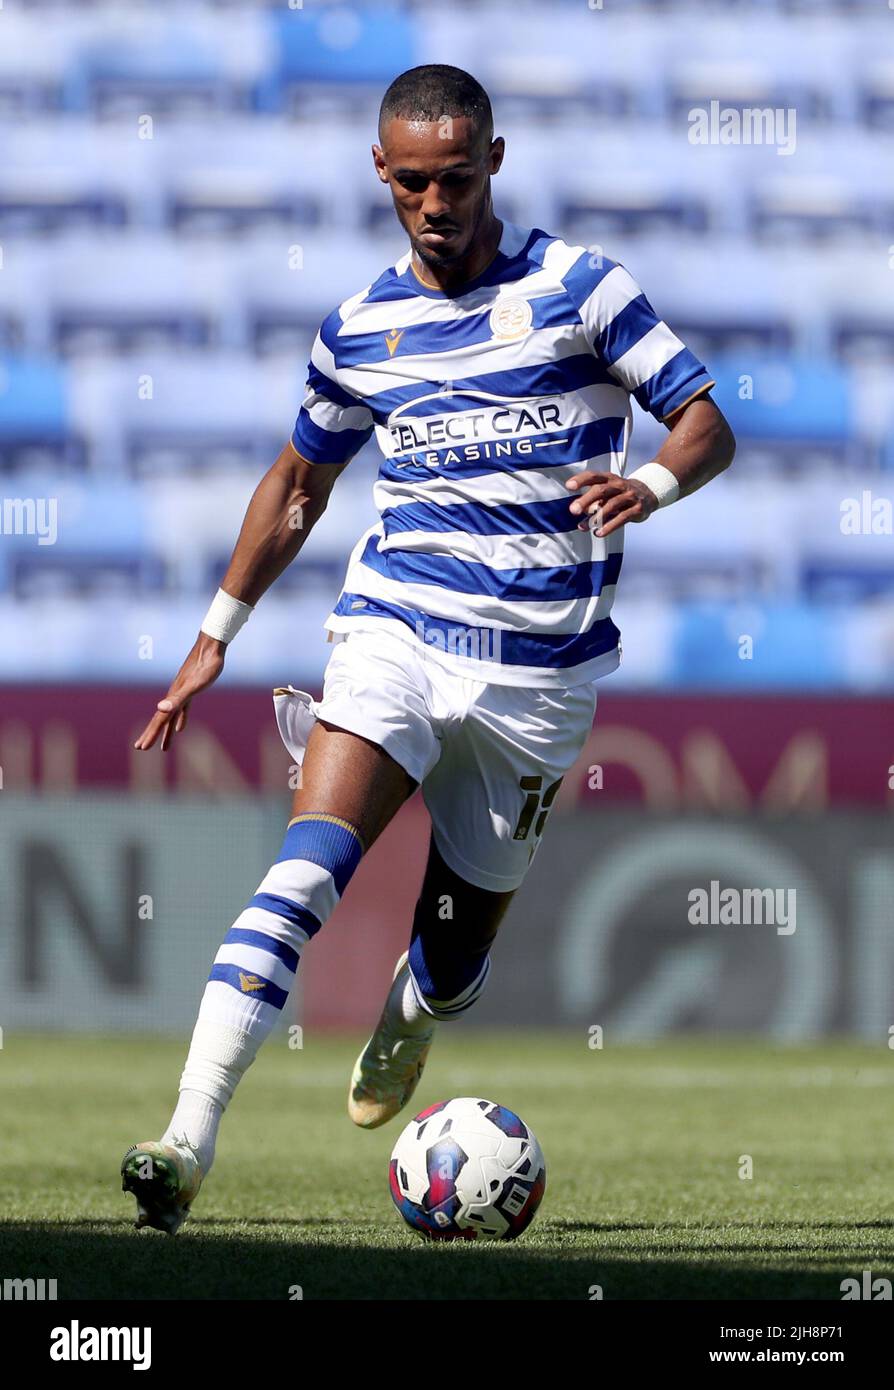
(453, 256)
(441, 260)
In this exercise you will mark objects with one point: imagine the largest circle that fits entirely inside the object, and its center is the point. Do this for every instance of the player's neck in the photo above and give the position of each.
(451, 278)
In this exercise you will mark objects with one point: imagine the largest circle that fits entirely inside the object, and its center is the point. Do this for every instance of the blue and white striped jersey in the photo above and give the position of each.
(483, 404)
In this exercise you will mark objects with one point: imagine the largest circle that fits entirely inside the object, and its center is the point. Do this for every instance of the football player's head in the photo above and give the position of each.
(437, 153)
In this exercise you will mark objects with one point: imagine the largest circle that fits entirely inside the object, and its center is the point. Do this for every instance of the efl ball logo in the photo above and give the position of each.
(511, 318)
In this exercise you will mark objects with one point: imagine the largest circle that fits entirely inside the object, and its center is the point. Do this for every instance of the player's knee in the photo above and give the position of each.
(446, 985)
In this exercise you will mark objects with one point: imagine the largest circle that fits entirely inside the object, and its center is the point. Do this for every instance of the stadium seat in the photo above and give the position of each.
(206, 418)
(233, 204)
(794, 646)
(712, 338)
(41, 208)
(805, 208)
(10, 333)
(823, 582)
(794, 403)
(165, 67)
(35, 429)
(41, 574)
(620, 214)
(737, 85)
(876, 96)
(99, 305)
(315, 47)
(113, 330)
(863, 339)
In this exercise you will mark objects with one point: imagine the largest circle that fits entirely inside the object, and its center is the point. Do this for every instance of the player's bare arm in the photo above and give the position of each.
(285, 506)
(699, 447)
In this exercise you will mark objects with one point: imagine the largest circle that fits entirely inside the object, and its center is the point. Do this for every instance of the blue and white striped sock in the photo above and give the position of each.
(255, 967)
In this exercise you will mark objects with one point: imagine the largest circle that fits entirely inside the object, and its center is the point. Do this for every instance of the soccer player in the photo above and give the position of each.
(495, 365)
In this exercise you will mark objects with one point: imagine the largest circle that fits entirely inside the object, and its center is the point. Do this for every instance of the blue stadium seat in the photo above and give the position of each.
(619, 216)
(54, 571)
(755, 335)
(799, 209)
(738, 87)
(229, 212)
(32, 395)
(282, 330)
(824, 580)
(37, 211)
(152, 451)
(220, 416)
(724, 574)
(789, 401)
(795, 646)
(125, 330)
(345, 44)
(99, 545)
(863, 339)
(175, 72)
(25, 96)
(532, 96)
(11, 333)
(887, 450)
(35, 428)
(876, 97)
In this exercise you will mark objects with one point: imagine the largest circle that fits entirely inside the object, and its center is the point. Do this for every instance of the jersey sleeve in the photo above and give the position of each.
(636, 346)
(332, 423)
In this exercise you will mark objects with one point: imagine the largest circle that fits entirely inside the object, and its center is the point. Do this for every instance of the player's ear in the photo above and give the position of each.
(495, 156)
(378, 155)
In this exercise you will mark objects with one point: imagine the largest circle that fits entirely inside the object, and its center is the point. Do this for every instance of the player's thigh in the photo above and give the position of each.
(493, 788)
(346, 775)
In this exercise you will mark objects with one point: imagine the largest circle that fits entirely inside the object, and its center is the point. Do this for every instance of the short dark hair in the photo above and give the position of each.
(434, 90)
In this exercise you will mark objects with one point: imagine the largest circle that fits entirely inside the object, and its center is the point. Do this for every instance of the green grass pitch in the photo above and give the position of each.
(643, 1147)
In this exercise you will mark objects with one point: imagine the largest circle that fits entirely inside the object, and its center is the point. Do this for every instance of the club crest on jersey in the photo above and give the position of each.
(511, 318)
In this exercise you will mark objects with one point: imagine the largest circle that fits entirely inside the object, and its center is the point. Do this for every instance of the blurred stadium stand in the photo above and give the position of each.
(162, 281)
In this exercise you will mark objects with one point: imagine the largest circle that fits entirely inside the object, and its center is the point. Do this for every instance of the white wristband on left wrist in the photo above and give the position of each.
(659, 480)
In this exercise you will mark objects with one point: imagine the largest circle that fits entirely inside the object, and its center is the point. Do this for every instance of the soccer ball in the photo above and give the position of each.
(467, 1169)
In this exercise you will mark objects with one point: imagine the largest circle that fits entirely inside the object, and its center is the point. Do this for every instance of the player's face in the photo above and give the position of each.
(439, 174)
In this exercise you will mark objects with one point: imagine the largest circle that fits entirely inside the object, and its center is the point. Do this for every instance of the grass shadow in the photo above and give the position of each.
(109, 1260)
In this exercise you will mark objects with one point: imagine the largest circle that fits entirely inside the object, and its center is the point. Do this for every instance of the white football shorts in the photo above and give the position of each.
(490, 758)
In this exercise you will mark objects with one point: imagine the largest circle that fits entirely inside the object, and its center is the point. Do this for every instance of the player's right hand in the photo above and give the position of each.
(200, 669)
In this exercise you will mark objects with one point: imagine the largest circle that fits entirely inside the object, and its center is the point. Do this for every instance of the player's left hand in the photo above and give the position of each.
(608, 502)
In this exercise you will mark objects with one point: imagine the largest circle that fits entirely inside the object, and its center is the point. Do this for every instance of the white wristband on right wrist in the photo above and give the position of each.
(659, 480)
(225, 617)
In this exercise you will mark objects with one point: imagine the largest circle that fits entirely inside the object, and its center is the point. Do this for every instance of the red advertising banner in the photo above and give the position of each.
(667, 752)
